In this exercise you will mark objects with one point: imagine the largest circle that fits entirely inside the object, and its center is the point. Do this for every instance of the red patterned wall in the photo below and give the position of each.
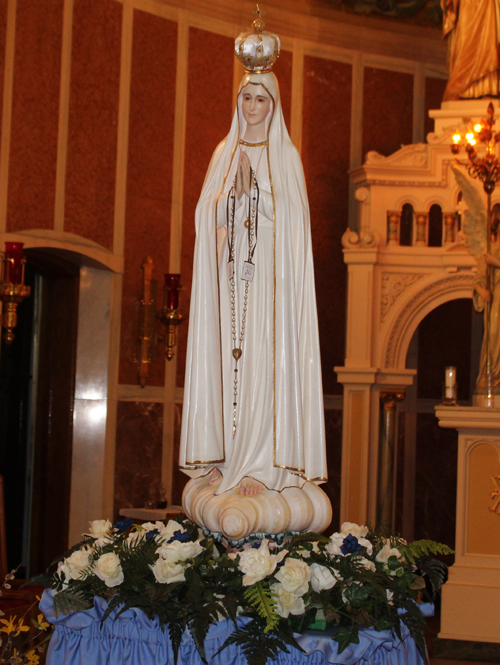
(149, 176)
(93, 120)
(283, 71)
(35, 109)
(387, 110)
(3, 27)
(325, 155)
(208, 119)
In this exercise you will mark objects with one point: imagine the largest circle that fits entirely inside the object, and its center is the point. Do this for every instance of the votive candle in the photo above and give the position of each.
(13, 262)
(172, 283)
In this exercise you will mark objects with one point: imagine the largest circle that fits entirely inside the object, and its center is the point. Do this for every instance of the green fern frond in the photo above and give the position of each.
(69, 601)
(263, 601)
(421, 548)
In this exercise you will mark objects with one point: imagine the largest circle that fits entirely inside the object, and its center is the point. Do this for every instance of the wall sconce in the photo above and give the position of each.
(12, 289)
(170, 316)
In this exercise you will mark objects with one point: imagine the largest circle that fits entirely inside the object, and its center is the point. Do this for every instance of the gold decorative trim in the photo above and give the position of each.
(253, 145)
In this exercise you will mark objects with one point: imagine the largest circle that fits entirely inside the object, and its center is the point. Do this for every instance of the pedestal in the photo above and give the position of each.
(471, 597)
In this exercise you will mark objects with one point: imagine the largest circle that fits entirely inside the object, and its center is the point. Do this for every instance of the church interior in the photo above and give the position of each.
(110, 112)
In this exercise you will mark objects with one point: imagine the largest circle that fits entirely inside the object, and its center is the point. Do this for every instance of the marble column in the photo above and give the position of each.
(386, 457)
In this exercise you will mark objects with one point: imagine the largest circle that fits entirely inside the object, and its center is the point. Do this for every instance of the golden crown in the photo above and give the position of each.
(256, 48)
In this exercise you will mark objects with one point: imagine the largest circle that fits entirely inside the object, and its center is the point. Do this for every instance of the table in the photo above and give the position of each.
(134, 639)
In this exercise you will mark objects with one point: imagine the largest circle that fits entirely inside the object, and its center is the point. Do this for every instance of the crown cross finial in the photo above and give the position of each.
(257, 49)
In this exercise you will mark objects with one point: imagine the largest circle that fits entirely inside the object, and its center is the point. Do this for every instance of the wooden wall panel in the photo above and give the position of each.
(149, 176)
(208, 120)
(3, 28)
(387, 110)
(325, 155)
(93, 120)
(434, 91)
(35, 107)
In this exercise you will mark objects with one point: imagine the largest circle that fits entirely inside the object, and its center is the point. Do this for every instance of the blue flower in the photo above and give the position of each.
(181, 536)
(123, 525)
(152, 534)
(350, 545)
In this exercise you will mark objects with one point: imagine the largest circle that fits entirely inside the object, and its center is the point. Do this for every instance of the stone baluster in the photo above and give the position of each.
(422, 221)
(449, 221)
(393, 221)
(386, 458)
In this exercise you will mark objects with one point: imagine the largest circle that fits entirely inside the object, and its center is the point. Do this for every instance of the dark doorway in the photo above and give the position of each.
(37, 379)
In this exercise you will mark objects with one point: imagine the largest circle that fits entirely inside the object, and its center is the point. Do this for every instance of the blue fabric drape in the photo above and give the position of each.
(133, 639)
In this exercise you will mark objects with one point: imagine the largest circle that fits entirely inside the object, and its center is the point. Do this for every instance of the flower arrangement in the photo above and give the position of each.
(22, 641)
(356, 578)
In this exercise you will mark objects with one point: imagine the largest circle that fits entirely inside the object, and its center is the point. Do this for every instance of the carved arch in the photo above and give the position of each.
(397, 341)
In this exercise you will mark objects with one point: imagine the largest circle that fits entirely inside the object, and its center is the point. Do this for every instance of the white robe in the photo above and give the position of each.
(280, 424)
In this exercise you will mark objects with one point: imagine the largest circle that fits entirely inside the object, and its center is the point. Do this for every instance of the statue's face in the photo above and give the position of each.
(255, 104)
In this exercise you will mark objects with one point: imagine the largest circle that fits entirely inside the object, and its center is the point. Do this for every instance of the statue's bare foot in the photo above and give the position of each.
(215, 477)
(250, 486)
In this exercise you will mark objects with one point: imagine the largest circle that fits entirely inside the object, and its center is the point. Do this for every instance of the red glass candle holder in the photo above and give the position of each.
(13, 270)
(172, 285)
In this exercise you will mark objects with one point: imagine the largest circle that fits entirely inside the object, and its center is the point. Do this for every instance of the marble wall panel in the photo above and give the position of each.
(283, 71)
(325, 156)
(208, 120)
(139, 431)
(387, 110)
(434, 91)
(149, 176)
(35, 108)
(179, 478)
(93, 120)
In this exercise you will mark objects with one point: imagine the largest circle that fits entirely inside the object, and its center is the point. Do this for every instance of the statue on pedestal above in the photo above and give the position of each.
(472, 28)
(252, 436)
(486, 294)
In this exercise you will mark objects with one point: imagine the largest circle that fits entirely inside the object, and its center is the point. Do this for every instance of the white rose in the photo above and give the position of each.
(322, 577)
(390, 595)
(76, 563)
(386, 552)
(177, 551)
(286, 602)
(108, 568)
(333, 547)
(295, 576)
(134, 537)
(167, 571)
(100, 529)
(353, 529)
(257, 564)
(366, 563)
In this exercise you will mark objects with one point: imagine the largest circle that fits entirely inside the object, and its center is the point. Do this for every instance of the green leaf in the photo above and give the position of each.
(421, 548)
(346, 635)
(257, 645)
(68, 601)
(262, 599)
(175, 631)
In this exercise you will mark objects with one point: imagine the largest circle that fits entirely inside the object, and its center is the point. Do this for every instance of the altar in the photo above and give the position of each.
(133, 638)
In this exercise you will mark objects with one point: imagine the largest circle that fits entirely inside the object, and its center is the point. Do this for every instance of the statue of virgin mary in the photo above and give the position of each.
(253, 420)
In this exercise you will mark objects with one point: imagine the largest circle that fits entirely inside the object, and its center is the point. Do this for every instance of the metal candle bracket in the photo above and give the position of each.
(486, 169)
(169, 315)
(12, 288)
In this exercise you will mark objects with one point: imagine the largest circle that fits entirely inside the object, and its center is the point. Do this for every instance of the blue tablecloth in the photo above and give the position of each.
(133, 639)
